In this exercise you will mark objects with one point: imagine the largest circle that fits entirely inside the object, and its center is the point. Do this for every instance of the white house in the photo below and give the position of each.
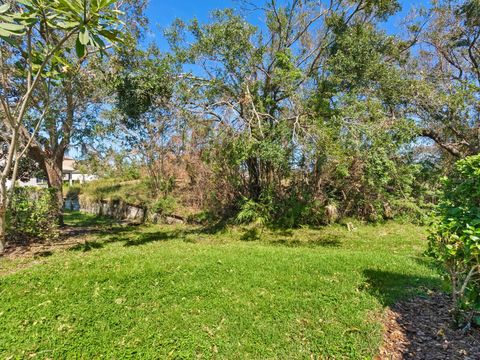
(70, 175)
(73, 176)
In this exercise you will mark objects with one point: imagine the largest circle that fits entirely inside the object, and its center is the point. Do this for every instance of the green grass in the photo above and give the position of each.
(179, 292)
(134, 192)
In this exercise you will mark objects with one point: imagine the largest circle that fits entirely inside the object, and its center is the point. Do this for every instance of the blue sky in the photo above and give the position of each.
(162, 13)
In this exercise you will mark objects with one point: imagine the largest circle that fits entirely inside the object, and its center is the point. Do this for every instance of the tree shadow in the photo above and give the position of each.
(390, 287)
(427, 262)
(145, 238)
(77, 219)
(87, 246)
(211, 228)
(333, 241)
(284, 232)
(252, 234)
(43, 254)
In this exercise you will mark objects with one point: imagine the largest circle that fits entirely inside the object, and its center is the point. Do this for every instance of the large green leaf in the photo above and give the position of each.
(80, 48)
(71, 5)
(68, 24)
(25, 2)
(110, 35)
(106, 3)
(9, 40)
(84, 36)
(4, 8)
(98, 41)
(12, 29)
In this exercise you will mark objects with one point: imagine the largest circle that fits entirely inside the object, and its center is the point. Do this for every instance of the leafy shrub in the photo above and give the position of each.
(455, 238)
(165, 206)
(32, 214)
(257, 212)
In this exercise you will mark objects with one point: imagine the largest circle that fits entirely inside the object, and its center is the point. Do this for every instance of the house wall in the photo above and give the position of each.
(31, 182)
(69, 175)
(76, 177)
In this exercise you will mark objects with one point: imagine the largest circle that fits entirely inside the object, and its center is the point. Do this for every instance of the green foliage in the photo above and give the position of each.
(133, 192)
(293, 140)
(455, 238)
(256, 212)
(165, 205)
(32, 215)
(142, 81)
(93, 22)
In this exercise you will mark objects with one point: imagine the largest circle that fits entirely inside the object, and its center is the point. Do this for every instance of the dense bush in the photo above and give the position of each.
(455, 238)
(32, 215)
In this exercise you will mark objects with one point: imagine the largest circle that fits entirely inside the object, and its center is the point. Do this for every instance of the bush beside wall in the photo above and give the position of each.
(32, 215)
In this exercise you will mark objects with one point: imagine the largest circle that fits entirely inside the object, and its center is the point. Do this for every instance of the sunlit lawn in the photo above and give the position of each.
(178, 292)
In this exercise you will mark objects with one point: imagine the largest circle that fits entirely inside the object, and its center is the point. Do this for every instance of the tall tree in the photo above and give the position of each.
(35, 35)
(144, 120)
(77, 97)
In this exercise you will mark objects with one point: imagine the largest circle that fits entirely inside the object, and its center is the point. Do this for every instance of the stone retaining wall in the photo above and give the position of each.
(118, 210)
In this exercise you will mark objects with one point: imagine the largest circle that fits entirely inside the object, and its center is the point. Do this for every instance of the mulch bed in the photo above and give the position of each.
(422, 329)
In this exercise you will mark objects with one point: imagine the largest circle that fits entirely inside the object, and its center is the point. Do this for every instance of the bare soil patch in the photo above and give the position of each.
(69, 237)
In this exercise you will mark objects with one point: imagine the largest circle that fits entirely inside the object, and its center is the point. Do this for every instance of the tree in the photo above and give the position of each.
(448, 74)
(144, 118)
(37, 33)
(77, 98)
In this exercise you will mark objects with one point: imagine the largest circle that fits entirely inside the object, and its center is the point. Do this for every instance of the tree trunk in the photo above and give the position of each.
(3, 228)
(55, 182)
(3, 214)
(255, 187)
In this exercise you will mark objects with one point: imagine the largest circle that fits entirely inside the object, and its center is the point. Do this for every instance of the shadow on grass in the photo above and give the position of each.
(333, 241)
(106, 230)
(419, 324)
(87, 246)
(145, 238)
(251, 235)
(77, 219)
(211, 228)
(390, 287)
(427, 262)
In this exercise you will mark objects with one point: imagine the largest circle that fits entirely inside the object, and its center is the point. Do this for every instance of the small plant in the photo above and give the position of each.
(455, 238)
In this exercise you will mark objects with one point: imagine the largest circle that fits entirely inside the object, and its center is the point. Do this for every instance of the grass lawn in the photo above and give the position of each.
(177, 292)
